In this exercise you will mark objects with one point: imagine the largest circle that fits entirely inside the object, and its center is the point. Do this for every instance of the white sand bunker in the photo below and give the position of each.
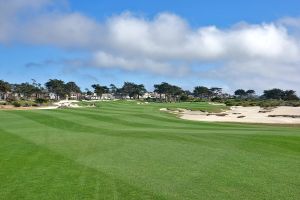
(278, 115)
(61, 104)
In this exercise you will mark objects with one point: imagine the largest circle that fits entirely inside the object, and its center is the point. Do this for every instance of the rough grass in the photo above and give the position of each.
(122, 150)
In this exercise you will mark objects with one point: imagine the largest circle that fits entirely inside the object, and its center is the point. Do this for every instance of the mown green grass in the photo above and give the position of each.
(122, 150)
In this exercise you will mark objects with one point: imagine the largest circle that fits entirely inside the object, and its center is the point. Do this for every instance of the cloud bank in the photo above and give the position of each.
(244, 55)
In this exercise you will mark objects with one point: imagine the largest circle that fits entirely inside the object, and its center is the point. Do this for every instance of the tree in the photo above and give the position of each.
(113, 89)
(171, 92)
(56, 86)
(25, 89)
(4, 87)
(289, 95)
(240, 93)
(175, 92)
(202, 92)
(38, 88)
(87, 91)
(216, 91)
(140, 90)
(188, 92)
(250, 92)
(279, 94)
(72, 87)
(100, 90)
(36, 84)
(160, 89)
(133, 90)
(273, 94)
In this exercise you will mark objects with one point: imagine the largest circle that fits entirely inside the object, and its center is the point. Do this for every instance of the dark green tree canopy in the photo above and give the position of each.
(26, 89)
(280, 94)
(113, 89)
(5, 86)
(140, 90)
(133, 90)
(56, 86)
(273, 94)
(250, 92)
(202, 92)
(100, 90)
(289, 95)
(72, 87)
(172, 92)
(168, 91)
(240, 93)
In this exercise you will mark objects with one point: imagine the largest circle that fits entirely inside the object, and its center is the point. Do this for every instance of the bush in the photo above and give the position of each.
(23, 103)
(199, 100)
(184, 98)
(41, 101)
(216, 99)
(261, 103)
(151, 100)
(16, 104)
(3, 103)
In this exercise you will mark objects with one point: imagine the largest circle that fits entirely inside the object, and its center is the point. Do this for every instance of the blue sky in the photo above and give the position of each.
(111, 52)
(197, 12)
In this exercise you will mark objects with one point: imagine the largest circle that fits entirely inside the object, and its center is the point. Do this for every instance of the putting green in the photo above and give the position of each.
(125, 150)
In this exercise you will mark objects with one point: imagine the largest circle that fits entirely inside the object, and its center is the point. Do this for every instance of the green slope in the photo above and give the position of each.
(122, 150)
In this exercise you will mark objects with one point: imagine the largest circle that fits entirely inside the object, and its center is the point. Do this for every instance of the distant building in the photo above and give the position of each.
(52, 96)
(153, 95)
(4, 96)
(92, 96)
(107, 96)
(75, 96)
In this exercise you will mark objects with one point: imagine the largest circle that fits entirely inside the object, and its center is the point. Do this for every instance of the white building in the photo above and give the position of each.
(153, 95)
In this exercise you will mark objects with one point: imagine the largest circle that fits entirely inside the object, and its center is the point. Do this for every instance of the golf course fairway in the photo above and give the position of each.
(126, 150)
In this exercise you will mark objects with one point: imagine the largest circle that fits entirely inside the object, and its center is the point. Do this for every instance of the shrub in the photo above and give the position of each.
(261, 103)
(41, 101)
(16, 104)
(3, 103)
(216, 99)
(23, 103)
(184, 98)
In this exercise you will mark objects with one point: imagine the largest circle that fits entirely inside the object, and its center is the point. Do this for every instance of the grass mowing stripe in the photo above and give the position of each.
(32, 161)
(172, 159)
(67, 125)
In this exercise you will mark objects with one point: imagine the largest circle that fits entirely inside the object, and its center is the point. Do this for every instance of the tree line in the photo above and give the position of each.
(165, 91)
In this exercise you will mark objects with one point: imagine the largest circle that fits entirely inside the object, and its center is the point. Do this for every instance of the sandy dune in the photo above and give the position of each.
(279, 115)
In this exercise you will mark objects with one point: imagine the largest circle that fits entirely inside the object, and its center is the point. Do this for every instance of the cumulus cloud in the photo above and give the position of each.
(62, 30)
(249, 55)
(11, 13)
(103, 59)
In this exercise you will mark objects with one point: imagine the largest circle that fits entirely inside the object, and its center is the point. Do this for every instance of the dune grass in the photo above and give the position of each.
(122, 150)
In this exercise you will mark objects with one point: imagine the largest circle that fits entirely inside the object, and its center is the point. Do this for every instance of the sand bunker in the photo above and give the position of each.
(60, 104)
(10, 107)
(279, 115)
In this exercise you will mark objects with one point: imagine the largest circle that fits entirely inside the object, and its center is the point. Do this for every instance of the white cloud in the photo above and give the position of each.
(63, 30)
(290, 21)
(251, 55)
(103, 59)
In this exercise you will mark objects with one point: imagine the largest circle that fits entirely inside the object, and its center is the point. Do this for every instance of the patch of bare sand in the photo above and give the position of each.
(60, 104)
(10, 107)
(279, 115)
